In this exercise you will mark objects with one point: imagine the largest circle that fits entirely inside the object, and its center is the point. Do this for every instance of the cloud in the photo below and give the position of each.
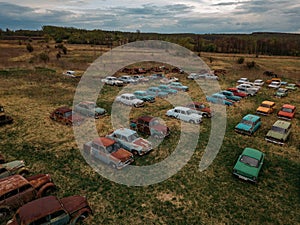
(185, 16)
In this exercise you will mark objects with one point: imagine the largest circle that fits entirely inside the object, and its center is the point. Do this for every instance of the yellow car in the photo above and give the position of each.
(266, 108)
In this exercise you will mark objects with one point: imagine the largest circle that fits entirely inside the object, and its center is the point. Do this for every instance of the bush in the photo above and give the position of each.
(44, 57)
(29, 47)
(250, 64)
(241, 60)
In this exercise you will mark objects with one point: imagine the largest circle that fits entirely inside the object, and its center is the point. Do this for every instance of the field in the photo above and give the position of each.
(30, 89)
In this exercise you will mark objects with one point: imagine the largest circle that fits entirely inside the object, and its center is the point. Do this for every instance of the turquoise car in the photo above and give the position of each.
(166, 88)
(249, 164)
(156, 92)
(178, 86)
(229, 95)
(219, 99)
(143, 95)
(291, 87)
(248, 125)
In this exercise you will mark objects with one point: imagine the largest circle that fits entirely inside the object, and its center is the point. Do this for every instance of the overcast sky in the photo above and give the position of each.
(167, 16)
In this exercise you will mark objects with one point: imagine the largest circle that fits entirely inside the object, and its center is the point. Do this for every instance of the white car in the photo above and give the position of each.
(112, 81)
(259, 82)
(209, 76)
(140, 78)
(185, 114)
(193, 76)
(242, 80)
(274, 84)
(70, 73)
(252, 85)
(130, 99)
(249, 86)
(127, 79)
(247, 89)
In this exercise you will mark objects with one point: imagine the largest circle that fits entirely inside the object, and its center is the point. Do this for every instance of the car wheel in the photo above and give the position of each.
(205, 115)
(192, 121)
(4, 212)
(135, 152)
(24, 173)
(113, 166)
(81, 218)
(48, 191)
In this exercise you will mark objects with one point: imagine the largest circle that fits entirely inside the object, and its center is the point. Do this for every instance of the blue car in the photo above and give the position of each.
(156, 92)
(219, 99)
(166, 88)
(230, 96)
(249, 124)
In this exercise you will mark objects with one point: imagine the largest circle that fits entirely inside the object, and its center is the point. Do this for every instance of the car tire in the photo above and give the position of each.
(192, 121)
(4, 212)
(205, 115)
(134, 152)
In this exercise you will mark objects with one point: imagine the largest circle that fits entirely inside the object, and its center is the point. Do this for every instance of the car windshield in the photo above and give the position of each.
(67, 114)
(249, 161)
(287, 110)
(113, 148)
(248, 122)
(132, 137)
(281, 90)
(278, 129)
(154, 122)
(265, 105)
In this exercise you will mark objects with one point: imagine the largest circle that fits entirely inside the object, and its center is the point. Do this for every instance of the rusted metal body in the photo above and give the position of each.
(66, 116)
(17, 190)
(63, 211)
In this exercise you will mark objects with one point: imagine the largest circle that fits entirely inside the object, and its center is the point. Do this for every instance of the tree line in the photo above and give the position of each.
(259, 43)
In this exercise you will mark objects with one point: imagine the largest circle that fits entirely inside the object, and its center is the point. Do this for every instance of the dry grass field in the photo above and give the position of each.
(30, 89)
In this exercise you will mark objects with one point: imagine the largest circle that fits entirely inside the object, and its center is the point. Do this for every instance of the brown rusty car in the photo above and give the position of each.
(66, 116)
(51, 210)
(17, 190)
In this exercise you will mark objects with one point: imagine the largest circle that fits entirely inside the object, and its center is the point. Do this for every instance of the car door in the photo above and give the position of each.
(140, 125)
(59, 217)
(4, 172)
(26, 193)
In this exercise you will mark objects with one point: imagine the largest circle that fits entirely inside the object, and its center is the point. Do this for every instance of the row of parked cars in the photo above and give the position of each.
(30, 196)
(251, 160)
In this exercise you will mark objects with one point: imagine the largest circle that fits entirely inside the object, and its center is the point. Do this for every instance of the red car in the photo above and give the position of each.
(199, 106)
(236, 92)
(287, 112)
(66, 116)
(51, 210)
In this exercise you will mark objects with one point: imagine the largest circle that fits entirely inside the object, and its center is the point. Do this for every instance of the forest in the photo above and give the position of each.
(258, 43)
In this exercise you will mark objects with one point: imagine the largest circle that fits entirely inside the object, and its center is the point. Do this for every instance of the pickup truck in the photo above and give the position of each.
(109, 152)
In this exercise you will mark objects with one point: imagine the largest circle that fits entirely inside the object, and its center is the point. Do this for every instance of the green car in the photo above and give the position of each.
(291, 87)
(279, 132)
(281, 92)
(143, 95)
(249, 164)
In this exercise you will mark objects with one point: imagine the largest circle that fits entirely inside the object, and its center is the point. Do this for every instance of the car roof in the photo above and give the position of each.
(268, 102)
(63, 109)
(251, 117)
(45, 206)
(252, 152)
(11, 183)
(282, 124)
(182, 108)
(146, 118)
(125, 131)
(139, 91)
(104, 141)
(128, 94)
(288, 106)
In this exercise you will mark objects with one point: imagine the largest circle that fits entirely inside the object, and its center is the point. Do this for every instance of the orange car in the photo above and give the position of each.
(266, 108)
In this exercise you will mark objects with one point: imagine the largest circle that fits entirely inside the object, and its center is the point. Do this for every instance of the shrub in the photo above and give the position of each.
(250, 64)
(241, 60)
(29, 47)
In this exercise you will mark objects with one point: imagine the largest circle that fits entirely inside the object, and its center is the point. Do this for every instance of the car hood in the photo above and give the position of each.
(122, 154)
(263, 109)
(14, 164)
(275, 135)
(285, 114)
(74, 203)
(160, 127)
(242, 126)
(245, 169)
(100, 110)
(137, 101)
(142, 142)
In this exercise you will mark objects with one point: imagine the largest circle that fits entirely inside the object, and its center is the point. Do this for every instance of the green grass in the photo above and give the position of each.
(189, 197)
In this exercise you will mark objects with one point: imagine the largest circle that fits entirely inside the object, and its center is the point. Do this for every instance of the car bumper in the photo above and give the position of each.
(124, 164)
(243, 132)
(244, 177)
(275, 141)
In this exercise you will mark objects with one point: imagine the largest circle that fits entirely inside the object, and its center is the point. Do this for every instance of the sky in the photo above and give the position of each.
(161, 16)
